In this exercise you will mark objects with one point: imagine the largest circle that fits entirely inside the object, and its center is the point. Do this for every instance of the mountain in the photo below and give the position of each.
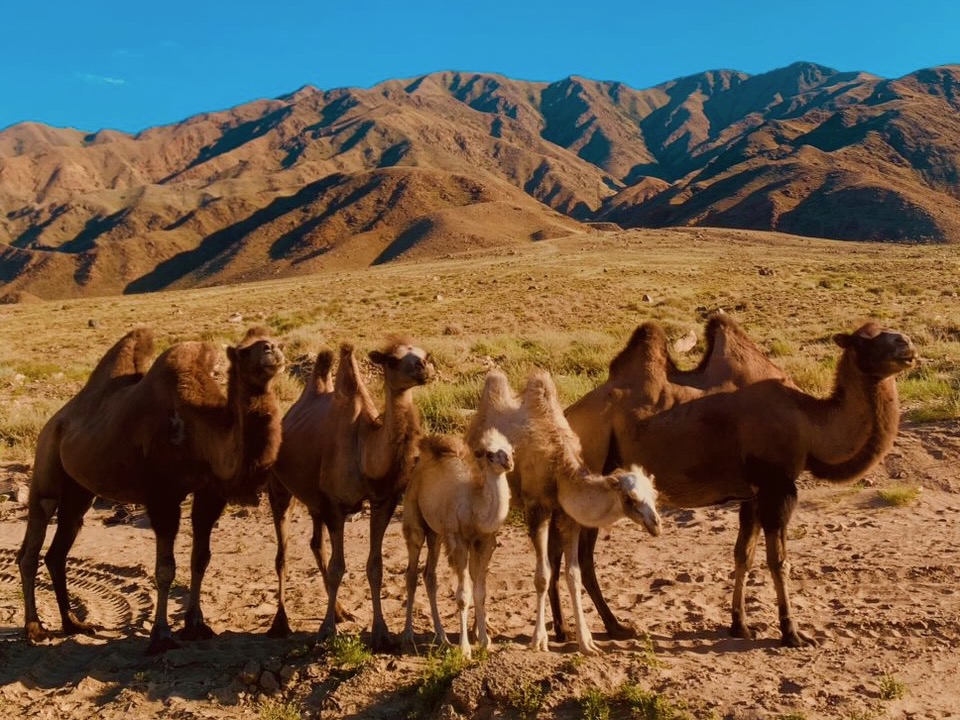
(453, 161)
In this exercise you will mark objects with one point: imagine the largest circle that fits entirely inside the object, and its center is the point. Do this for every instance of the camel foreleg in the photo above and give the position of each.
(413, 534)
(459, 553)
(430, 583)
(380, 515)
(538, 524)
(743, 553)
(480, 555)
(335, 570)
(165, 518)
(74, 503)
(321, 553)
(555, 554)
(570, 532)
(588, 568)
(28, 559)
(208, 505)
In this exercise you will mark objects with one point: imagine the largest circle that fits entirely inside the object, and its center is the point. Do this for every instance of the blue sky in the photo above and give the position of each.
(130, 65)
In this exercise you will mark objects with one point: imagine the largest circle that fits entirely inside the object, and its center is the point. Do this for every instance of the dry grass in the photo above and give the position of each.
(567, 305)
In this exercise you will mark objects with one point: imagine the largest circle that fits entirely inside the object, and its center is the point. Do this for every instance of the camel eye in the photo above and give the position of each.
(491, 456)
(478, 453)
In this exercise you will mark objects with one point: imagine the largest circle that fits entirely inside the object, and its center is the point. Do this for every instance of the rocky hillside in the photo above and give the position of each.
(454, 161)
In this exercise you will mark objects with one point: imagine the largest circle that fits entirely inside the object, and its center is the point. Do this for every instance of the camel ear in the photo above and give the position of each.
(379, 358)
(843, 340)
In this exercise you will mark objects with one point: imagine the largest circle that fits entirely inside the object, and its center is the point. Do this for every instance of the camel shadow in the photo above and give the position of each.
(708, 641)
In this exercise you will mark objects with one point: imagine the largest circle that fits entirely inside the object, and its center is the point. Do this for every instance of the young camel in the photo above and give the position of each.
(153, 436)
(644, 377)
(551, 477)
(752, 443)
(458, 498)
(337, 452)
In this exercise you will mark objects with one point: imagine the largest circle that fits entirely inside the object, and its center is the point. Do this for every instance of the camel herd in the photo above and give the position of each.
(733, 429)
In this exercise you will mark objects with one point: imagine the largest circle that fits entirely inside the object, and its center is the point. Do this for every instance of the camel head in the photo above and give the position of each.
(638, 496)
(878, 352)
(256, 359)
(494, 450)
(404, 365)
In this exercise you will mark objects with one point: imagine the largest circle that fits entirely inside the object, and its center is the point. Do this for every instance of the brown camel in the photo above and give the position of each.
(644, 377)
(338, 451)
(153, 436)
(752, 443)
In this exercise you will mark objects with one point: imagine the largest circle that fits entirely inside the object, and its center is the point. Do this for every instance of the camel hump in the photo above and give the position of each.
(440, 446)
(647, 340)
(497, 390)
(130, 355)
(323, 366)
(540, 391)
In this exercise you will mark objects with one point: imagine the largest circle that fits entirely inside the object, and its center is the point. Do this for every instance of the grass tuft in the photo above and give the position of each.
(891, 688)
(898, 495)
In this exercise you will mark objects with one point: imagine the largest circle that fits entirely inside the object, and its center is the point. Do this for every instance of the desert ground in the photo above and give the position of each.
(874, 571)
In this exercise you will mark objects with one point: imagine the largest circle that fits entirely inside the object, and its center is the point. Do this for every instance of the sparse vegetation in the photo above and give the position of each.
(271, 709)
(443, 665)
(595, 705)
(649, 705)
(528, 698)
(891, 688)
(898, 495)
(347, 651)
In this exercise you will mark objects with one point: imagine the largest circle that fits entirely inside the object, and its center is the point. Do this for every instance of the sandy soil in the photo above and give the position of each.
(878, 586)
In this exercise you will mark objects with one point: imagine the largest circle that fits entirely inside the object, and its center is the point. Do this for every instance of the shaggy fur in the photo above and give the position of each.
(460, 498)
(152, 437)
(338, 452)
(751, 444)
(551, 477)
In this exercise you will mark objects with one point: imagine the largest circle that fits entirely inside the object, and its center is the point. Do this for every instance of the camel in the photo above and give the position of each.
(751, 444)
(550, 476)
(337, 452)
(458, 498)
(152, 434)
(645, 378)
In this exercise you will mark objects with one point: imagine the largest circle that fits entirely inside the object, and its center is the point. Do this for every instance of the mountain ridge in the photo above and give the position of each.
(316, 178)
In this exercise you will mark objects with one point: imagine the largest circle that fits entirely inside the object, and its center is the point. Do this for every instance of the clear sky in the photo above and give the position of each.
(129, 65)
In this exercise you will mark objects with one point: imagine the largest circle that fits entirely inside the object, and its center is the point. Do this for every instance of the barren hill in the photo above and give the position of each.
(455, 161)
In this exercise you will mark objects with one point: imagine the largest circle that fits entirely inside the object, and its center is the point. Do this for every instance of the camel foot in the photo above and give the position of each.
(161, 641)
(560, 632)
(280, 627)
(35, 632)
(740, 629)
(327, 631)
(441, 638)
(794, 638)
(466, 651)
(344, 615)
(539, 641)
(619, 631)
(202, 631)
(73, 626)
(383, 641)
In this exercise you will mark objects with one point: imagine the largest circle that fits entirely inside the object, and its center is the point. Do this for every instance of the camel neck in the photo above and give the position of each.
(588, 499)
(390, 438)
(491, 502)
(853, 428)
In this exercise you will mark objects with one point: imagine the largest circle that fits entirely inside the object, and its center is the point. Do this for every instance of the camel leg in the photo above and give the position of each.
(480, 557)
(570, 532)
(458, 553)
(538, 524)
(743, 558)
(414, 536)
(280, 499)
(28, 559)
(208, 505)
(334, 522)
(165, 519)
(775, 509)
(74, 503)
(380, 515)
(588, 567)
(430, 583)
(321, 554)
(555, 554)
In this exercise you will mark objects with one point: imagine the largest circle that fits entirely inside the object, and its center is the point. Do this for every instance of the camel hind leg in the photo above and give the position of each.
(208, 505)
(538, 525)
(75, 501)
(743, 553)
(413, 535)
(775, 505)
(570, 532)
(380, 514)
(321, 553)
(165, 519)
(458, 553)
(280, 499)
(430, 583)
(480, 555)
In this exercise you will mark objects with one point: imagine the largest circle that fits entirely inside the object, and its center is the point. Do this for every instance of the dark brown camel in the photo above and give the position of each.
(751, 444)
(152, 437)
(645, 376)
(338, 451)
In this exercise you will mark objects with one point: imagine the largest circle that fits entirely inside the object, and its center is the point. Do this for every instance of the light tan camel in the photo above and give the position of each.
(460, 499)
(644, 378)
(337, 452)
(550, 476)
(751, 444)
(152, 437)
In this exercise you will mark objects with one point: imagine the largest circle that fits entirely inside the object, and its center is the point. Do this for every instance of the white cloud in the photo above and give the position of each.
(94, 79)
